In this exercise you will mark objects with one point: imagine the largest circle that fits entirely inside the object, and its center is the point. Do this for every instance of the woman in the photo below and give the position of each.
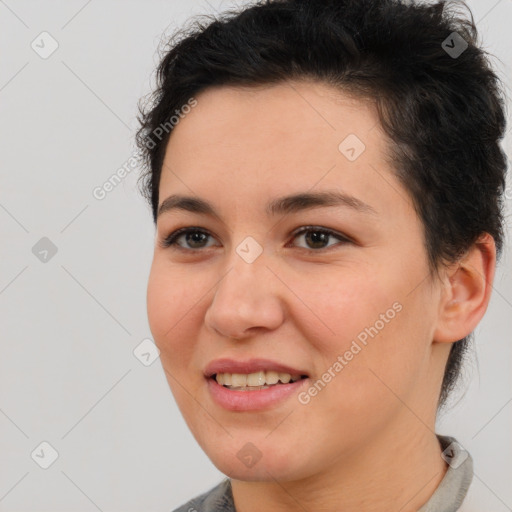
(325, 179)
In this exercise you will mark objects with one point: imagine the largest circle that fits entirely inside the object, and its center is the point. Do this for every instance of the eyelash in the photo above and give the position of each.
(171, 240)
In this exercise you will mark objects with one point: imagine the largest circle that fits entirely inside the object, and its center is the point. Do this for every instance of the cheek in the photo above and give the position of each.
(173, 306)
(336, 306)
(159, 297)
(372, 321)
(173, 301)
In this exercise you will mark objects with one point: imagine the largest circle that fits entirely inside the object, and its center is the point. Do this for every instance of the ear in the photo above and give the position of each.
(466, 291)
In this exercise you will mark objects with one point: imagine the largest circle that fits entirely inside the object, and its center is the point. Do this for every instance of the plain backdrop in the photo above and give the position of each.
(73, 273)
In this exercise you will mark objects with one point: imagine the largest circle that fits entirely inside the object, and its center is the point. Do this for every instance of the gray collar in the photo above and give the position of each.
(448, 496)
(450, 493)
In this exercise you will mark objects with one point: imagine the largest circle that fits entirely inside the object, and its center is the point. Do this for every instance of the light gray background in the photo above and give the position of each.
(68, 375)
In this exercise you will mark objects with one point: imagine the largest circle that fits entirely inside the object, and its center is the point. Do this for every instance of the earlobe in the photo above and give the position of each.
(467, 291)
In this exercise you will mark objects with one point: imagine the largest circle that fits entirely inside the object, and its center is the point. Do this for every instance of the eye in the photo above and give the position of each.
(317, 237)
(196, 237)
(193, 236)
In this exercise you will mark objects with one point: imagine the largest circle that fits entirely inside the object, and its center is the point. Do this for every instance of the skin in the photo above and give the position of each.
(367, 440)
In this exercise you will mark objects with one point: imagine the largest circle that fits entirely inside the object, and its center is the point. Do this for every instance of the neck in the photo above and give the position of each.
(398, 471)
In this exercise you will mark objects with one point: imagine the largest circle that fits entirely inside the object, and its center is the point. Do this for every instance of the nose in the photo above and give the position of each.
(247, 301)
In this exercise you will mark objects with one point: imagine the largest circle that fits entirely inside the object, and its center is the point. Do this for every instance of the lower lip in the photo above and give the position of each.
(252, 400)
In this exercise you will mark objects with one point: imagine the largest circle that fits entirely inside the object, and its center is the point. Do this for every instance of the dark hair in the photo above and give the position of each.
(438, 100)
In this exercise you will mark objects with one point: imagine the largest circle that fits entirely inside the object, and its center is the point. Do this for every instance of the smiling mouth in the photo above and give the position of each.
(255, 381)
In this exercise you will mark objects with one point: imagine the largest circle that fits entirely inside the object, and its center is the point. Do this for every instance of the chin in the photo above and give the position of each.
(257, 462)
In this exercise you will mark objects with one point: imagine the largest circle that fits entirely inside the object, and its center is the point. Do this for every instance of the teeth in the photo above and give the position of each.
(256, 379)
(238, 380)
(284, 377)
(271, 377)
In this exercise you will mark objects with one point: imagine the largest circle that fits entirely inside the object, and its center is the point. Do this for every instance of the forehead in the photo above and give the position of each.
(278, 139)
(284, 113)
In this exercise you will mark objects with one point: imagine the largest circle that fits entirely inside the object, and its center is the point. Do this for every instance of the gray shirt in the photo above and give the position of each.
(448, 496)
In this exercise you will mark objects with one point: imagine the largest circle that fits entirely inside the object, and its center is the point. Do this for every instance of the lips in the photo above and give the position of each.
(226, 365)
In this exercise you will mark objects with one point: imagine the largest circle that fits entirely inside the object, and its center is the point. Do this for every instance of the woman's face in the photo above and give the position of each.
(354, 310)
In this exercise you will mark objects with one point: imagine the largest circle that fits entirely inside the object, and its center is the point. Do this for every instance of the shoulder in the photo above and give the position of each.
(217, 499)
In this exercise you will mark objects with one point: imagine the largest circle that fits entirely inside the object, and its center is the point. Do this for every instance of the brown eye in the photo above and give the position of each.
(318, 238)
(194, 239)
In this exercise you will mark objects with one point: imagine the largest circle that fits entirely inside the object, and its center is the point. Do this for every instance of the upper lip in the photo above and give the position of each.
(226, 365)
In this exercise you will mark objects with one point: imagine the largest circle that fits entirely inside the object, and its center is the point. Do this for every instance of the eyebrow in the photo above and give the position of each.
(280, 206)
